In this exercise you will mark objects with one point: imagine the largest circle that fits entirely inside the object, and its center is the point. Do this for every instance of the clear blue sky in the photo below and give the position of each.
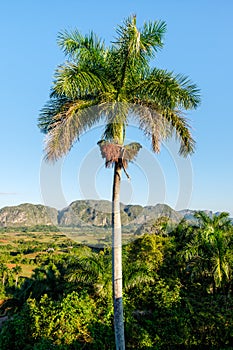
(198, 43)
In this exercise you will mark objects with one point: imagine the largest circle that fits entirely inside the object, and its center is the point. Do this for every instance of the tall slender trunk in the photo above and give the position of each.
(117, 261)
(16, 280)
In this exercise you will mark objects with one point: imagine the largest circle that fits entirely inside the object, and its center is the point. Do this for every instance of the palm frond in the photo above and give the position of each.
(152, 37)
(128, 53)
(188, 94)
(137, 274)
(202, 217)
(94, 270)
(75, 81)
(54, 107)
(160, 96)
(131, 151)
(152, 122)
(180, 127)
(222, 221)
(159, 124)
(140, 42)
(132, 50)
(168, 90)
(220, 269)
(219, 221)
(128, 38)
(68, 125)
(74, 44)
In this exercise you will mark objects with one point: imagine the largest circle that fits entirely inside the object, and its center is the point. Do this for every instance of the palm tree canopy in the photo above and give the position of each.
(208, 249)
(115, 83)
(217, 222)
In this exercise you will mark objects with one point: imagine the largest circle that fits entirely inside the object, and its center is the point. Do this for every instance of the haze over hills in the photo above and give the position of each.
(87, 213)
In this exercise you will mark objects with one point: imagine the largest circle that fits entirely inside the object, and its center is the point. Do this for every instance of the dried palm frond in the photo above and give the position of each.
(65, 127)
(152, 122)
(131, 151)
(113, 152)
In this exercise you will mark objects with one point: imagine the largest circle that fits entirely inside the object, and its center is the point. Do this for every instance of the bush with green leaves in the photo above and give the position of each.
(72, 322)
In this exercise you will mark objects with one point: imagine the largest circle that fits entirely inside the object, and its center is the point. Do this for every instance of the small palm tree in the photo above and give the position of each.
(210, 223)
(113, 84)
(207, 252)
(94, 271)
(215, 231)
(4, 271)
(17, 270)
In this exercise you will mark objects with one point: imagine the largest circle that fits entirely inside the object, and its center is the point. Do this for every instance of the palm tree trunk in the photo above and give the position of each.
(117, 261)
(16, 280)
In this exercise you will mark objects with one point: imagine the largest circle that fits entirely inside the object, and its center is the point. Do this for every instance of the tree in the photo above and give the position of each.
(17, 270)
(74, 322)
(113, 83)
(4, 271)
(93, 272)
(207, 252)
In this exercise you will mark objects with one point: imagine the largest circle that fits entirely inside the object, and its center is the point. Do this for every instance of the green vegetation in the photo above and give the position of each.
(56, 294)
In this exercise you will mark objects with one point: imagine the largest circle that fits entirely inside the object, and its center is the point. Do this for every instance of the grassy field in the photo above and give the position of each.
(26, 249)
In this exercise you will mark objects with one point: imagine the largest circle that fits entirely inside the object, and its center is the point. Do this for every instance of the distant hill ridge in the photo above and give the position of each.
(86, 213)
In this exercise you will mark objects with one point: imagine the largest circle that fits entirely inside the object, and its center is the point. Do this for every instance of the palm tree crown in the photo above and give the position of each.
(113, 83)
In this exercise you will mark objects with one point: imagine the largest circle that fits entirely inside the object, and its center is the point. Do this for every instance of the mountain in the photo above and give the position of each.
(28, 215)
(86, 212)
(98, 213)
(82, 213)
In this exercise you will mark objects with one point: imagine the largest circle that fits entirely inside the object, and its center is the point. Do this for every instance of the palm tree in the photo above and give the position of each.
(17, 270)
(92, 271)
(113, 84)
(215, 231)
(4, 271)
(207, 251)
(210, 223)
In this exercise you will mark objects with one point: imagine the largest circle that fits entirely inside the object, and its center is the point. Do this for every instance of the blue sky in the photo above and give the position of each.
(198, 43)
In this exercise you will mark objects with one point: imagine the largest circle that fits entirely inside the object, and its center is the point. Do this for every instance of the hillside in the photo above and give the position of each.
(87, 213)
(28, 215)
(82, 213)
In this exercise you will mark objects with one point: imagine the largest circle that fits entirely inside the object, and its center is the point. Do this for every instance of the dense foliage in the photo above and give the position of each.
(177, 293)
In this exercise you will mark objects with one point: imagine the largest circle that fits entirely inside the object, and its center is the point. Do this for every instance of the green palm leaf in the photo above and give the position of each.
(74, 81)
(79, 47)
(152, 35)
